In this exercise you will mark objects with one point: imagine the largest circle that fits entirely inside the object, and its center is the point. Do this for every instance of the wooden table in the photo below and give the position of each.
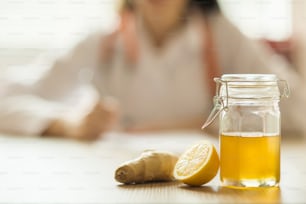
(48, 170)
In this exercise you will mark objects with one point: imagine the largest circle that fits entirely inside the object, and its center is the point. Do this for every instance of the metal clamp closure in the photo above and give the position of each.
(221, 102)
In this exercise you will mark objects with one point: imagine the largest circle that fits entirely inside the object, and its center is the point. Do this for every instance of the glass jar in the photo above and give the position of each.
(248, 108)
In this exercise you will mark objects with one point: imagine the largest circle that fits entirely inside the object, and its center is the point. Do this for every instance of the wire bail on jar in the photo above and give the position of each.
(220, 102)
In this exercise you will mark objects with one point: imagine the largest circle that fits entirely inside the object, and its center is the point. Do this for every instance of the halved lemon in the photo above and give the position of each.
(198, 164)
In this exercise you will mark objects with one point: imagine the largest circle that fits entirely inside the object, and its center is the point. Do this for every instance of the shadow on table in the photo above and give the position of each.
(254, 195)
(214, 192)
(154, 184)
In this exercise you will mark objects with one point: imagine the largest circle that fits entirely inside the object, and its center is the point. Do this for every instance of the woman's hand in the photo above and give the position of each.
(99, 120)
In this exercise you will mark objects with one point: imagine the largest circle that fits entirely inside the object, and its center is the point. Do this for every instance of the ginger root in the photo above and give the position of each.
(150, 166)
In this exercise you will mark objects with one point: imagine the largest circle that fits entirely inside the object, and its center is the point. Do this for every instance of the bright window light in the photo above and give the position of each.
(62, 23)
(270, 19)
(52, 23)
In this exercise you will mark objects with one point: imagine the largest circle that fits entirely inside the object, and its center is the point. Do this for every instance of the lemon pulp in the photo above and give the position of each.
(198, 164)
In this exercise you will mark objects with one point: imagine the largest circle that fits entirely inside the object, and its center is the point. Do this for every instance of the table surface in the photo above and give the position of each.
(50, 170)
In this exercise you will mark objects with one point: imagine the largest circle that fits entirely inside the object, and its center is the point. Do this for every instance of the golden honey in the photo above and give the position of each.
(249, 159)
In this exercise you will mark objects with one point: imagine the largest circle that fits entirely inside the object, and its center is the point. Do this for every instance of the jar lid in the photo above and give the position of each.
(246, 87)
(249, 77)
(249, 86)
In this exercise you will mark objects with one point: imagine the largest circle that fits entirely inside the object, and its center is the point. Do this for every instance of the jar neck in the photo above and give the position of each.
(250, 101)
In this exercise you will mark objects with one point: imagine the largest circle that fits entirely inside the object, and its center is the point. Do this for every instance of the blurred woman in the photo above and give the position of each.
(154, 71)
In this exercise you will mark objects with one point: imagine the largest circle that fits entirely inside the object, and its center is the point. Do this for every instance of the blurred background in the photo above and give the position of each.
(33, 28)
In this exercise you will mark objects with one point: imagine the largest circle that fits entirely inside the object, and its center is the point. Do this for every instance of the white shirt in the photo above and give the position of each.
(166, 85)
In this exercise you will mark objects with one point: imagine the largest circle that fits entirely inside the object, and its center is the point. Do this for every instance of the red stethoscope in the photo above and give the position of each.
(127, 31)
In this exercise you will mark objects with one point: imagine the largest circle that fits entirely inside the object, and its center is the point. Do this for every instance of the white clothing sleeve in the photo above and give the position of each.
(63, 91)
(26, 114)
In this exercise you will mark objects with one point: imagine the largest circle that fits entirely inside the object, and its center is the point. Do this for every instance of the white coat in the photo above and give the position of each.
(164, 85)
